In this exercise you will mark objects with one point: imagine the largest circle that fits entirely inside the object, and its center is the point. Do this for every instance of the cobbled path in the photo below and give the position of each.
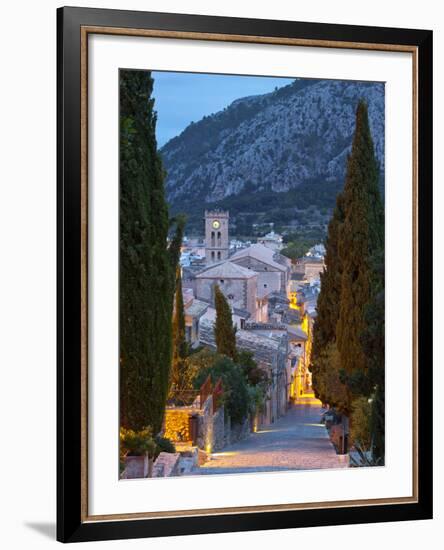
(297, 441)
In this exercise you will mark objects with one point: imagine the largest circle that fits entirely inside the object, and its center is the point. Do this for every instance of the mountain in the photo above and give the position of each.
(278, 157)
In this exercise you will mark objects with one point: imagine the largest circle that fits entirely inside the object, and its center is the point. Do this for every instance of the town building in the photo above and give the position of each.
(310, 267)
(273, 269)
(238, 284)
(217, 243)
(272, 240)
(194, 309)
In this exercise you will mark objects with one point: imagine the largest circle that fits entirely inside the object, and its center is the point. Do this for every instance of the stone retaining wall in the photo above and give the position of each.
(177, 424)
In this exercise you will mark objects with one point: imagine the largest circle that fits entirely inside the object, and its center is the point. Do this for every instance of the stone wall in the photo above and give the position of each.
(177, 423)
(218, 429)
(136, 467)
(210, 427)
(237, 432)
(240, 294)
(205, 426)
(313, 270)
(166, 465)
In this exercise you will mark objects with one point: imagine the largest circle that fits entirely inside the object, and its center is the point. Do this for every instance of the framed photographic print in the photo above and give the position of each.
(244, 274)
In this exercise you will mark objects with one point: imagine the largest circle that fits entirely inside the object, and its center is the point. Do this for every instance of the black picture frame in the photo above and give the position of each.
(71, 525)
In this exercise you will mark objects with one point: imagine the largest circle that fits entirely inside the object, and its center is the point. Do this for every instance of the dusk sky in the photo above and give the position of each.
(181, 98)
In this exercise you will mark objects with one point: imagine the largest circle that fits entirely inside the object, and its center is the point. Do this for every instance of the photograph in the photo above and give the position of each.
(251, 274)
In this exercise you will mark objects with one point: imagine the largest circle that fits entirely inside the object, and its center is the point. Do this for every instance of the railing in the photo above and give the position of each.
(197, 398)
(205, 390)
(183, 398)
(218, 392)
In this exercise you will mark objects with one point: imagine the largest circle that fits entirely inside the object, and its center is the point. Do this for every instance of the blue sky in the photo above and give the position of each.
(181, 98)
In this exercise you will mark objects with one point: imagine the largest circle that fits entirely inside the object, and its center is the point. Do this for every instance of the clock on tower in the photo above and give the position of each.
(216, 236)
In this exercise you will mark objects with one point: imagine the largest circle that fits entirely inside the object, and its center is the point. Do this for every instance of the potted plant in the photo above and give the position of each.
(137, 449)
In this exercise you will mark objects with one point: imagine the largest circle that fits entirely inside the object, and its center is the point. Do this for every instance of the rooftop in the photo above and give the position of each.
(262, 253)
(311, 260)
(295, 332)
(196, 308)
(226, 270)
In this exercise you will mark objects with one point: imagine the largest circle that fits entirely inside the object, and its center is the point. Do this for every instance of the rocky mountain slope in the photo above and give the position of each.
(272, 147)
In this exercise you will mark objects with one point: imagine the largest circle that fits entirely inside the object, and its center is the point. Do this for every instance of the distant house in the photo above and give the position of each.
(194, 309)
(272, 240)
(310, 266)
(317, 250)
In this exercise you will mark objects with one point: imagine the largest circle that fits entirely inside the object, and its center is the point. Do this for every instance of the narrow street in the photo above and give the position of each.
(296, 441)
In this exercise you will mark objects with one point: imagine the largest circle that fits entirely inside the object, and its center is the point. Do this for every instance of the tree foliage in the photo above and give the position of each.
(373, 341)
(348, 344)
(327, 383)
(224, 330)
(325, 361)
(244, 384)
(147, 263)
(252, 371)
(361, 236)
(299, 246)
(137, 443)
(360, 425)
(235, 386)
(180, 345)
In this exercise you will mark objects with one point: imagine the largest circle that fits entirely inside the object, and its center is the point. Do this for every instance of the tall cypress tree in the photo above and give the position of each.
(180, 347)
(361, 236)
(147, 263)
(324, 332)
(224, 330)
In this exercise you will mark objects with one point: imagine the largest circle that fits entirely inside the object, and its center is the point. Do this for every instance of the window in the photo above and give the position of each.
(222, 281)
(218, 255)
(212, 255)
(230, 296)
(242, 323)
(265, 285)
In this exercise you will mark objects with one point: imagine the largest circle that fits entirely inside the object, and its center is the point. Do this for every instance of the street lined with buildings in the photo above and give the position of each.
(273, 304)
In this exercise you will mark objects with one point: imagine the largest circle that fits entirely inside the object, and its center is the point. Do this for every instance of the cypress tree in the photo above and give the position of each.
(348, 347)
(147, 263)
(373, 341)
(324, 331)
(361, 236)
(180, 347)
(224, 330)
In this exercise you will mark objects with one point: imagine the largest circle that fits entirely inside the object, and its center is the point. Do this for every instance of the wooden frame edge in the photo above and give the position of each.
(87, 519)
(252, 39)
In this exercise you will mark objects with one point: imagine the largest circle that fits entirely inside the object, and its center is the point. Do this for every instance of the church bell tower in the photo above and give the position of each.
(216, 236)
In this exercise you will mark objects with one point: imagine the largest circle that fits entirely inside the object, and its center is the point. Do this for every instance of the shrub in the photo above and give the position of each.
(137, 443)
(360, 434)
(164, 445)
